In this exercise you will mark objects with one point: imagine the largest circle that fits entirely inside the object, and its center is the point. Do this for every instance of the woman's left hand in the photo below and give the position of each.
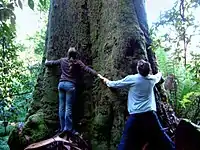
(103, 78)
(100, 76)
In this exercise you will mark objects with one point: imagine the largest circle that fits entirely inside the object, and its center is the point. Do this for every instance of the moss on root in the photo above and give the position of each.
(36, 127)
(34, 130)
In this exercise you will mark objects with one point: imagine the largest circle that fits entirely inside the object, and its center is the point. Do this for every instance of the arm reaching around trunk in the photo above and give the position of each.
(52, 62)
(87, 69)
(125, 82)
(157, 77)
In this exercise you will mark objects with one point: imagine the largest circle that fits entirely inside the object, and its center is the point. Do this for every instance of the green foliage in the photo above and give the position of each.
(18, 69)
(10, 72)
(31, 4)
(3, 143)
(44, 5)
(187, 83)
(20, 4)
(194, 67)
(7, 11)
(191, 101)
(172, 49)
(39, 40)
(181, 27)
(165, 65)
(16, 79)
(2, 130)
(7, 8)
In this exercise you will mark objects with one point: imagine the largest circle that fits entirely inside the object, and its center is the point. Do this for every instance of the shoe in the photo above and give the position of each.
(74, 132)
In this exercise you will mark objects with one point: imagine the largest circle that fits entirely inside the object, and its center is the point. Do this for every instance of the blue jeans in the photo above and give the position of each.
(66, 99)
(145, 128)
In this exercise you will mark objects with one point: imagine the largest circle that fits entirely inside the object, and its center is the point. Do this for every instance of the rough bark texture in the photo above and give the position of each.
(110, 38)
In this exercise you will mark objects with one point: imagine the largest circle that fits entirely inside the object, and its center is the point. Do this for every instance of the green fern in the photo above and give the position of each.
(184, 78)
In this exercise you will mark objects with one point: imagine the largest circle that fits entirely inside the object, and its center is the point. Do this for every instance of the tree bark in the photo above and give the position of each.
(111, 36)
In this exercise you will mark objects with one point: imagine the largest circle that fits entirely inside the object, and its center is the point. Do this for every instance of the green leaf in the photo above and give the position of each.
(45, 2)
(31, 4)
(10, 6)
(12, 20)
(42, 2)
(20, 4)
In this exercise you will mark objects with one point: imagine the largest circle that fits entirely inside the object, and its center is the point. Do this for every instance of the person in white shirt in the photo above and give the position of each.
(142, 125)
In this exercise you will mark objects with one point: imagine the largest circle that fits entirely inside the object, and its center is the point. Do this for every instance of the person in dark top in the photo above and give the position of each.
(70, 70)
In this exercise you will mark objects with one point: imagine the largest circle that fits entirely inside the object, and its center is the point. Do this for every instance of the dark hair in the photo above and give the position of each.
(143, 68)
(72, 53)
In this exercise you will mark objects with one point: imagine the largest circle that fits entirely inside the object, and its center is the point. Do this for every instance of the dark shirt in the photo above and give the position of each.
(70, 68)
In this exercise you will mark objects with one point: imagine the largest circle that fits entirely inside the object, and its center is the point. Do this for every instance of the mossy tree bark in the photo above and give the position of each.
(111, 35)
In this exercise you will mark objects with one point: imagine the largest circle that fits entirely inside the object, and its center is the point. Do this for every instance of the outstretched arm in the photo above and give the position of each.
(87, 69)
(127, 81)
(52, 62)
(157, 77)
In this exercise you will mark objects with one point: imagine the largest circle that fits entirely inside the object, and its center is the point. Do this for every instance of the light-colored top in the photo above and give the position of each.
(141, 96)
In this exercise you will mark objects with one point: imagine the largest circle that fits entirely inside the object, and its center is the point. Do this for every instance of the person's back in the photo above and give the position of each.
(70, 70)
(71, 67)
(142, 125)
(141, 96)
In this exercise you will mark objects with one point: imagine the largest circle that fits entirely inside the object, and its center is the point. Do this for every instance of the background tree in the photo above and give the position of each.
(177, 52)
(181, 28)
(17, 75)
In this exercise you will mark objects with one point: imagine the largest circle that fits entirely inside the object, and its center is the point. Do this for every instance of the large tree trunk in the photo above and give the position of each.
(111, 35)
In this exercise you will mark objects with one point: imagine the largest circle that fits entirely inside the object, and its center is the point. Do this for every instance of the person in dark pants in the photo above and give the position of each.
(70, 70)
(143, 124)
